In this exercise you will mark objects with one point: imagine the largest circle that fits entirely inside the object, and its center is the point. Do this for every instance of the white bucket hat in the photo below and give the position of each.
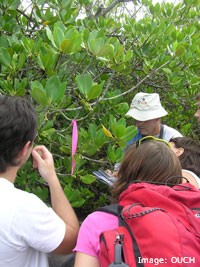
(146, 107)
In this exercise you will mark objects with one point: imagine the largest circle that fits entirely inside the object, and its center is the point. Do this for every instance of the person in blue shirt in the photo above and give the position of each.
(147, 111)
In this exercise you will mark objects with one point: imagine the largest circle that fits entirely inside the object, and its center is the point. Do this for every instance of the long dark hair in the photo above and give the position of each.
(152, 161)
(190, 158)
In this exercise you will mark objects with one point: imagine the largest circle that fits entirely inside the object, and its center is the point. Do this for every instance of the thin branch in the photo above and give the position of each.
(94, 160)
(67, 118)
(137, 85)
(96, 102)
(124, 93)
(104, 11)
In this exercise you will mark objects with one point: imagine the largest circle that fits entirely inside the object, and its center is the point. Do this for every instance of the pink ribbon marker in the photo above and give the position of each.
(74, 143)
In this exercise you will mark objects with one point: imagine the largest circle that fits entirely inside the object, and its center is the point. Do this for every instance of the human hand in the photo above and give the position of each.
(112, 173)
(43, 161)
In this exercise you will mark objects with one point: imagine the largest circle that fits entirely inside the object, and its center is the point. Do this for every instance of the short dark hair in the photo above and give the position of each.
(190, 159)
(152, 161)
(18, 122)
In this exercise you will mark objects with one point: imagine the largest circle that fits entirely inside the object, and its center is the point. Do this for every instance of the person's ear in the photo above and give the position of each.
(24, 153)
(25, 149)
(179, 151)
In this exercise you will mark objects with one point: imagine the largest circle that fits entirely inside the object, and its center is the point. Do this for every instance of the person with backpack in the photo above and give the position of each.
(188, 152)
(154, 219)
(29, 229)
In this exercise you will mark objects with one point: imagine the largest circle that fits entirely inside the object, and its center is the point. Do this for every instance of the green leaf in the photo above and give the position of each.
(92, 130)
(42, 193)
(100, 138)
(50, 36)
(119, 154)
(93, 35)
(103, 59)
(84, 82)
(79, 203)
(54, 89)
(87, 179)
(21, 61)
(20, 86)
(47, 60)
(111, 154)
(119, 131)
(13, 3)
(66, 150)
(28, 44)
(130, 132)
(74, 197)
(66, 46)
(94, 92)
(71, 46)
(166, 70)
(128, 56)
(157, 8)
(96, 46)
(106, 51)
(60, 93)
(180, 50)
(122, 108)
(4, 42)
(89, 149)
(48, 133)
(5, 57)
(38, 93)
(119, 52)
(58, 36)
(72, 42)
(47, 125)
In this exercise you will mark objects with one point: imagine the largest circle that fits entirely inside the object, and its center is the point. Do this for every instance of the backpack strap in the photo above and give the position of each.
(114, 209)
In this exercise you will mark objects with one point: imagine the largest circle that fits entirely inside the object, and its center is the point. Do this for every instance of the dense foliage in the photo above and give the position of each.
(85, 60)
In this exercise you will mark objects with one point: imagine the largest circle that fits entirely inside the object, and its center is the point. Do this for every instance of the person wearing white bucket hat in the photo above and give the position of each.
(147, 111)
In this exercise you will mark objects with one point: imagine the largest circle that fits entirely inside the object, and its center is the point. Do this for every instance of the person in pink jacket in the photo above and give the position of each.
(149, 160)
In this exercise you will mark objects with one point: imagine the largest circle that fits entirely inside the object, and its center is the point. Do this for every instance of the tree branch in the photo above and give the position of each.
(110, 7)
(138, 84)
